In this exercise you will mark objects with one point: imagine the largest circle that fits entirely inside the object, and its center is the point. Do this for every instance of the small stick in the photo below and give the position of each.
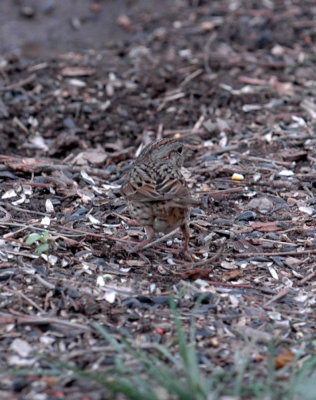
(276, 253)
(38, 320)
(307, 278)
(283, 292)
(161, 239)
(20, 83)
(44, 282)
(33, 304)
(230, 285)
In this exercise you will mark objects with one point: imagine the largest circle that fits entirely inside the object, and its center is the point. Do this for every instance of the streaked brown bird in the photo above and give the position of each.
(156, 192)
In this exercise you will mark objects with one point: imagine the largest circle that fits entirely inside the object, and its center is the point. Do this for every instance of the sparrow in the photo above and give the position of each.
(156, 192)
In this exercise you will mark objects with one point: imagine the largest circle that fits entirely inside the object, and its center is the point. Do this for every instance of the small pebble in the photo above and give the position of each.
(246, 216)
(163, 300)
(27, 12)
(131, 303)
(204, 297)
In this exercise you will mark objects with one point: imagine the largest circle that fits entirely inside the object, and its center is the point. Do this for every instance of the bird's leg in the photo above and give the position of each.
(186, 233)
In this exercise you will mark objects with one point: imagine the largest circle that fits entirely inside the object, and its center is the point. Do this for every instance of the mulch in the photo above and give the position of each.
(238, 86)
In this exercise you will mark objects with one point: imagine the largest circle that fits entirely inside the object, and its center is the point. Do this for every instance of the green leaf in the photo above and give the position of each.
(34, 237)
(44, 237)
(43, 248)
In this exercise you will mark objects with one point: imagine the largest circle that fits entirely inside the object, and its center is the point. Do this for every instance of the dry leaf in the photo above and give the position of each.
(196, 273)
(266, 226)
(231, 275)
(283, 359)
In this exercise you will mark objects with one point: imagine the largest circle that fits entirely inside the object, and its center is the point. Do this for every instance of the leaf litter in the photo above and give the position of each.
(71, 128)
